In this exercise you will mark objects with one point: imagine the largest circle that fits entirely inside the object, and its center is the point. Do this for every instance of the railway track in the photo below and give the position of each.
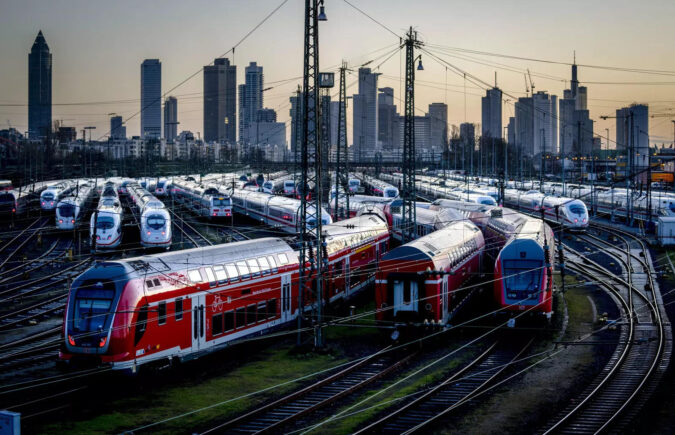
(637, 362)
(434, 404)
(271, 418)
(188, 231)
(13, 246)
(56, 250)
(232, 234)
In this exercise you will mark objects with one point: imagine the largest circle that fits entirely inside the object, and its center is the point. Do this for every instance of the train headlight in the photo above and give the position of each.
(148, 233)
(72, 221)
(60, 221)
(98, 237)
(71, 340)
(101, 343)
(583, 220)
(576, 220)
(109, 237)
(163, 233)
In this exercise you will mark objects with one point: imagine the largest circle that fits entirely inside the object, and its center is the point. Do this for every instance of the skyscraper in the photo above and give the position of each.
(250, 100)
(220, 101)
(576, 126)
(467, 133)
(632, 131)
(491, 105)
(170, 119)
(117, 128)
(365, 113)
(387, 126)
(297, 113)
(545, 123)
(438, 126)
(151, 99)
(524, 126)
(39, 89)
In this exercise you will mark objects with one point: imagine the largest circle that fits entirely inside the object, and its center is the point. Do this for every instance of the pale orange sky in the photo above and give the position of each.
(98, 47)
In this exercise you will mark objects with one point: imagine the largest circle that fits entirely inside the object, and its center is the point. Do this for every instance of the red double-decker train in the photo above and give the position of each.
(180, 305)
(416, 281)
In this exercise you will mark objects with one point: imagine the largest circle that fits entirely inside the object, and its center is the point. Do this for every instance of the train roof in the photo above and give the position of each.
(436, 246)
(206, 256)
(353, 231)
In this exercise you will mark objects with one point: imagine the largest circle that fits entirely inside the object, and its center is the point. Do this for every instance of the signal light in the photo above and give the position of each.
(71, 340)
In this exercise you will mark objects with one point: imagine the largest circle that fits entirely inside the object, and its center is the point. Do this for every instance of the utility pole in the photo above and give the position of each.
(311, 238)
(541, 168)
(342, 169)
(408, 196)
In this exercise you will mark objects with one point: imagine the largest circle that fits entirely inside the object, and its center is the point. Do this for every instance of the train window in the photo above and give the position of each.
(243, 269)
(179, 309)
(232, 272)
(149, 283)
(217, 324)
(240, 317)
(251, 314)
(210, 276)
(253, 267)
(262, 311)
(407, 294)
(272, 308)
(156, 282)
(195, 276)
(264, 265)
(221, 276)
(283, 259)
(141, 324)
(229, 320)
(161, 313)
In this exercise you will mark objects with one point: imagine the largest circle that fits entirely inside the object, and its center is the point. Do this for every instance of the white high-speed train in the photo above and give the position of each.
(155, 220)
(71, 209)
(106, 222)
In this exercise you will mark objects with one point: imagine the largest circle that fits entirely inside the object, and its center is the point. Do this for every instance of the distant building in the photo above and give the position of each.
(250, 99)
(117, 128)
(67, 134)
(545, 123)
(365, 113)
(438, 126)
(491, 105)
(39, 89)
(297, 112)
(220, 102)
(387, 120)
(632, 131)
(422, 134)
(467, 133)
(524, 126)
(266, 115)
(151, 99)
(576, 126)
(170, 119)
(511, 131)
(334, 122)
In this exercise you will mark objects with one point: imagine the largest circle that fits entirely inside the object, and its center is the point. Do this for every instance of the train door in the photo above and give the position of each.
(445, 300)
(286, 298)
(198, 305)
(406, 294)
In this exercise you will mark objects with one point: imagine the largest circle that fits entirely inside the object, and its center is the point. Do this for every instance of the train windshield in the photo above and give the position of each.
(92, 307)
(66, 210)
(156, 221)
(48, 196)
(221, 202)
(390, 193)
(105, 223)
(488, 201)
(576, 209)
(6, 198)
(522, 276)
(160, 185)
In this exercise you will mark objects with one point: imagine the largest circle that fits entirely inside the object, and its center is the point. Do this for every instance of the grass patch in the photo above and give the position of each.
(271, 367)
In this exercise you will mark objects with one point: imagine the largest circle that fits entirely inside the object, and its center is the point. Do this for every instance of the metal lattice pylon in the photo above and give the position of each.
(342, 154)
(408, 193)
(311, 252)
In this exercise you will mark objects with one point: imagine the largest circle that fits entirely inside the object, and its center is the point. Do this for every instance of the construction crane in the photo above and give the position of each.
(527, 89)
(531, 82)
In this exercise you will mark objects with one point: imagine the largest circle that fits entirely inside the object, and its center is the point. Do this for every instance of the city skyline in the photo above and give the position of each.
(75, 82)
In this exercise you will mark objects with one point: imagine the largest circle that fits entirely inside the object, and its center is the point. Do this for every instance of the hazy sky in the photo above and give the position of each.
(98, 47)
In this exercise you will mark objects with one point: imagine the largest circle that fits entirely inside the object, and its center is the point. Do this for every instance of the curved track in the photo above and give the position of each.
(642, 350)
